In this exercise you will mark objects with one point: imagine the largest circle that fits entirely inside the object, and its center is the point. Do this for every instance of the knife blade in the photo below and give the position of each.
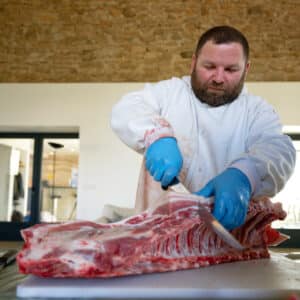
(207, 217)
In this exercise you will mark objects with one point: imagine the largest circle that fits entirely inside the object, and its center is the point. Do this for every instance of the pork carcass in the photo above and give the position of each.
(170, 236)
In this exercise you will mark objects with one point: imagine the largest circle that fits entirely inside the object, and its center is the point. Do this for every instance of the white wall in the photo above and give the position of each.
(284, 96)
(108, 170)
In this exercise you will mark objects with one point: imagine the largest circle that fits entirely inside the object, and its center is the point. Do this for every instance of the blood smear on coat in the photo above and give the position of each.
(168, 237)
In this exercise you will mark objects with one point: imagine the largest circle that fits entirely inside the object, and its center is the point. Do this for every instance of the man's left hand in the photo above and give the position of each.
(232, 191)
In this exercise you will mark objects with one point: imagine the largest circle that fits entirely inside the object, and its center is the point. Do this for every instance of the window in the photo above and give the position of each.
(38, 180)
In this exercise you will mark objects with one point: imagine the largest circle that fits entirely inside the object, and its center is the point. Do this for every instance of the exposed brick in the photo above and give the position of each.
(139, 40)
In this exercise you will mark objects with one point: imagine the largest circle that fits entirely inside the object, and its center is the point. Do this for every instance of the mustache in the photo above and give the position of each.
(216, 86)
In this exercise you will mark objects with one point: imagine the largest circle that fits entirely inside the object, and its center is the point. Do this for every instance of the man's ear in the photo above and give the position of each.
(247, 67)
(193, 63)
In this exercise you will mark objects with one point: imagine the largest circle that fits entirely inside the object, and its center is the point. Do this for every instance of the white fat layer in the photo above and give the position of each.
(61, 240)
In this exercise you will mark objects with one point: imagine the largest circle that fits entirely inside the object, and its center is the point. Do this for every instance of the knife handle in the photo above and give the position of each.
(174, 181)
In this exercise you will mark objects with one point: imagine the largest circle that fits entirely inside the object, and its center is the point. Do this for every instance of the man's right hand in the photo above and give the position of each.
(164, 160)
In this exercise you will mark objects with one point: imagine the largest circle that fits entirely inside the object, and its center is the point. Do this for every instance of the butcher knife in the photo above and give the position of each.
(208, 218)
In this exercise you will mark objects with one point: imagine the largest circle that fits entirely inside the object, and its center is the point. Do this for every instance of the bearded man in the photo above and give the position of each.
(207, 131)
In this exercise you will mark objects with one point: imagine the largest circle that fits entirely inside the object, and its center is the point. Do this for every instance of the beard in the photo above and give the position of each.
(224, 96)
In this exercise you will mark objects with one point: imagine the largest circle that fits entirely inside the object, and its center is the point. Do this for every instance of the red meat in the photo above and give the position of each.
(168, 237)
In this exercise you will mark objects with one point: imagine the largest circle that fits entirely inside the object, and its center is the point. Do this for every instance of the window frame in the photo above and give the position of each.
(10, 231)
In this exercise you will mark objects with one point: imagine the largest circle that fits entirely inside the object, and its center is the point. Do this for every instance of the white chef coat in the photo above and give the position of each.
(245, 134)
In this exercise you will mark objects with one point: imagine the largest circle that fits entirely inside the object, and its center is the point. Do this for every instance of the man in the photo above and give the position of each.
(208, 131)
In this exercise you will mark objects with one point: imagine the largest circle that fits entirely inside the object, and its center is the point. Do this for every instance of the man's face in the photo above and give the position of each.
(218, 73)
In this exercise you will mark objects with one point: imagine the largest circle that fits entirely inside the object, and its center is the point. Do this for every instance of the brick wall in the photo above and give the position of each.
(139, 40)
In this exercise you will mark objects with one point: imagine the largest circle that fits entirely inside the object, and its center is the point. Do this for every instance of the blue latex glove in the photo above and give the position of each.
(164, 160)
(232, 191)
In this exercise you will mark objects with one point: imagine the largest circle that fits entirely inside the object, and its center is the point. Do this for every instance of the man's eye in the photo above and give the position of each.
(231, 70)
(209, 67)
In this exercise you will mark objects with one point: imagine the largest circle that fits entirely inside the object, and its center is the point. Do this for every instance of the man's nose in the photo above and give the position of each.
(219, 76)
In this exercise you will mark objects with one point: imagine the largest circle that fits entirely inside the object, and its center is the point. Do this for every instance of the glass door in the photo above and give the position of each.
(59, 180)
(38, 180)
(15, 179)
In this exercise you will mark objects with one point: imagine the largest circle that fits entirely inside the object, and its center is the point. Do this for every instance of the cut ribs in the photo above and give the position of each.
(168, 237)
